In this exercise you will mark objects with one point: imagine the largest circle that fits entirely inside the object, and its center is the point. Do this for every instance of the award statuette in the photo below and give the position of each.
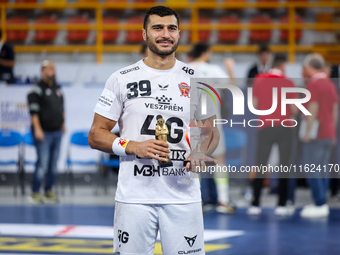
(198, 138)
(161, 133)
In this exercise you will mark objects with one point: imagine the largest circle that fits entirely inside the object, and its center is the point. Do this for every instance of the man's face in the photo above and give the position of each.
(48, 73)
(264, 57)
(307, 72)
(162, 34)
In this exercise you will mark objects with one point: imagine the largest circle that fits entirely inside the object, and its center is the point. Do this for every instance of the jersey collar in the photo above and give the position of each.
(319, 75)
(143, 65)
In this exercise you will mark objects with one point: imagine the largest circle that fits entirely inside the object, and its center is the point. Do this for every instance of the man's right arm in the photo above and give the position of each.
(38, 131)
(101, 138)
(34, 108)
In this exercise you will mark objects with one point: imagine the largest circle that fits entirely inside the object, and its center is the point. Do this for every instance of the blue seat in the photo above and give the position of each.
(79, 139)
(110, 162)
(28, 141)
(12, 139)
(105, 162)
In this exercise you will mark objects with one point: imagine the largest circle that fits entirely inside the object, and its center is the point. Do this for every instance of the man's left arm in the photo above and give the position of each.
(313, 108)
(63, 128)
(336, 114)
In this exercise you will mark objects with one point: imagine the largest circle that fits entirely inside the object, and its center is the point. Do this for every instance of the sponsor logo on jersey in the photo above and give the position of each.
(58, 92)
(123, 236)
(48, 92)
(164, 100)
(122, 142)
(164, 103)
(190, 240)
(151, 170)
(175, 155)
(163, 87)
(105, 101)
(130, 70)
(185, 89)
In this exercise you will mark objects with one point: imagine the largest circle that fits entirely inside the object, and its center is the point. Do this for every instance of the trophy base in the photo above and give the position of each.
(165, 164)
(207, 163)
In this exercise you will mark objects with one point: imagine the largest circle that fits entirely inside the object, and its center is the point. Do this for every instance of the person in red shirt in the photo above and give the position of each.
(272, 131)
(323, 106)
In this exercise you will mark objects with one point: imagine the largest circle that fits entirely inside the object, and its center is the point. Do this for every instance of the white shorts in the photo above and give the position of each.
(180, 226)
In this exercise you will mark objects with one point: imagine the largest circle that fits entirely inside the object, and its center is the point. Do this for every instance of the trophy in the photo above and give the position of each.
(197, 138)
(161, 133)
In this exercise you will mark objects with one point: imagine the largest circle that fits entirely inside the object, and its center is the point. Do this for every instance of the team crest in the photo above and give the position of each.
(185, 89)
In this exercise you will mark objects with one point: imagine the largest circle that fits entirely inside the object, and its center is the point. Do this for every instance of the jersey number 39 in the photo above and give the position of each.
(142, 88)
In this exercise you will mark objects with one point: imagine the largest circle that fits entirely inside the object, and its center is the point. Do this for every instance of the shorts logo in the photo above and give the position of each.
(123, 236)
(190, 240)
(122, 142)
(185, 89)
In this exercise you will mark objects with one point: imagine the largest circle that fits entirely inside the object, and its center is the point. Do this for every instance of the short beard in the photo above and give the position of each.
(51, 79)
(155, 50)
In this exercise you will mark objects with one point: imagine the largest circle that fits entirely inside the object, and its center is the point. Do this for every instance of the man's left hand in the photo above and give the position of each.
(198, 162)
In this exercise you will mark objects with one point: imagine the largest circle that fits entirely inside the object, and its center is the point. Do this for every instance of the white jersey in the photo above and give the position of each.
(209, 70)
(134, 96)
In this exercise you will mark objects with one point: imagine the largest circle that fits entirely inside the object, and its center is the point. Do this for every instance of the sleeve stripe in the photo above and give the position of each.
(34, 107)
(36, 90)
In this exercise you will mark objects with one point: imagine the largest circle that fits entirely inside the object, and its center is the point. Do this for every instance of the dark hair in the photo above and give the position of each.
(263, 48)
(199, 49)
(160, 11)
(278, 60)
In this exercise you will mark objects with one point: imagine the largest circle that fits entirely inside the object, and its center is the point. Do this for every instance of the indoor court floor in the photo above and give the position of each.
(82, 224)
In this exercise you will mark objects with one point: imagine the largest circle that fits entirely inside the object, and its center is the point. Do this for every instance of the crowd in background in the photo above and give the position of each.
(318, 150)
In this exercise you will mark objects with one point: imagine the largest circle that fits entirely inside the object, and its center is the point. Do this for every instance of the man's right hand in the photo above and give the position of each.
(39, 135)
(149, 149)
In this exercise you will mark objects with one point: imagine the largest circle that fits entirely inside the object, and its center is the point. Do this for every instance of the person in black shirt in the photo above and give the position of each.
(262, 65)
(46, 106)
(6, 62)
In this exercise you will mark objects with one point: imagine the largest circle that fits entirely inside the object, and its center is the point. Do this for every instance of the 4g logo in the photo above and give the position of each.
(188, 70)
(123, 236)
(175, 134)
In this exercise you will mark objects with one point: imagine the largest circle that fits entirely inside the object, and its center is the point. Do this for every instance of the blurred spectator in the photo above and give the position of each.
(200, 54)
(46, 106)
(6, 62)
(272, 132)
(323, 107)
(335, 71)
(262, 65)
